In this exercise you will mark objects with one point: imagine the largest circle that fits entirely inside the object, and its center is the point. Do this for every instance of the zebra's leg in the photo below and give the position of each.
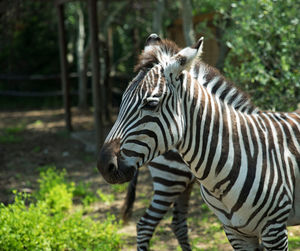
(179, 221)
(242, 242)
(274, 237)
(148, 222)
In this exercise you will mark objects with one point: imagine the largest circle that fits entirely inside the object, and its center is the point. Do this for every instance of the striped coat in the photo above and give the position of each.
(247, 164)
(172, 179)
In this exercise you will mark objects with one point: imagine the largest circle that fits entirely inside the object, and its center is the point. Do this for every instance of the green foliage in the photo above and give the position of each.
(11, 134)
(264, 41)
(106, 198)
(294, 242)
(119, 188)
(83, 191)
(54, 189)
(9, 138)
(263, 37)
(52, 223)
(264, 56)
(59, 198)
(29, 39)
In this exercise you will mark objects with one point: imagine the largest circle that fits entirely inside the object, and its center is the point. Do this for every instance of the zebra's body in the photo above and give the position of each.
(172, 179)
(247, 164)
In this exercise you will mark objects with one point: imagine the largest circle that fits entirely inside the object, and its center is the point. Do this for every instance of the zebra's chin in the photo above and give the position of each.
(120, 175)
(111, 165)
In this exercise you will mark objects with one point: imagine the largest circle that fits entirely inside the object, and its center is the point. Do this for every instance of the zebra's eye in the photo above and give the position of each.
(150, 104)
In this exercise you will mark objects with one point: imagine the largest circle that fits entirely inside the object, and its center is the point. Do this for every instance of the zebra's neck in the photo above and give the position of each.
(210, 132)
(217, 84)
(220, 141)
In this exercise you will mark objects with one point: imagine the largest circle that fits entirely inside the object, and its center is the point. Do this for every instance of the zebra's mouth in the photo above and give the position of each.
(111, 165)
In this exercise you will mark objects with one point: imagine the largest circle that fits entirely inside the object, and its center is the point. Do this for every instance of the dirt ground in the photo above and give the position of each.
(43, 140)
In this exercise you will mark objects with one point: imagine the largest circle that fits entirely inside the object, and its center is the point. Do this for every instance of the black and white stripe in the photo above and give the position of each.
(172, 179)
(247, 164)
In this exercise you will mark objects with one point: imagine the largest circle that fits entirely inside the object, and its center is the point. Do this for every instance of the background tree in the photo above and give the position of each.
(157, 18)
(264, 57)
(80, 51)
(262, 54)
(258, 43)
(187, 17)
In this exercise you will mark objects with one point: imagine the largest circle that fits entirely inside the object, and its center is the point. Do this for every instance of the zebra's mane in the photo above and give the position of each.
(213, 80)
(160, 52)
(207, 76)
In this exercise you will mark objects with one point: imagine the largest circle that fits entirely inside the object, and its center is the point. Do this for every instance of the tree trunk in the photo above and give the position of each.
(109, 69)
(98, 100)
(64, 66)
(157, 17)
(223, 48)
(106, 57)
(187, 17)
(136, 36)
(81, 69)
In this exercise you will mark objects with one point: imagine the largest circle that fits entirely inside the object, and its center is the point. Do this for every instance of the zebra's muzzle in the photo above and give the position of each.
(112, 166)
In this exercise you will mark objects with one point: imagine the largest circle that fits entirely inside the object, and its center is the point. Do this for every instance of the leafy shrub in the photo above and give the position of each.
(52, 223)
(50, 178)
(84, 192)
(106, 198)
(264, 56)
(55, 190)
(119, 188)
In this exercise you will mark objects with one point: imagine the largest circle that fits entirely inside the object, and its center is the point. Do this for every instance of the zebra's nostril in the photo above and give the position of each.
(111, 167)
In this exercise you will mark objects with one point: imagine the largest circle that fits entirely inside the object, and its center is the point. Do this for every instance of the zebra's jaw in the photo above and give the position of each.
(112, 166)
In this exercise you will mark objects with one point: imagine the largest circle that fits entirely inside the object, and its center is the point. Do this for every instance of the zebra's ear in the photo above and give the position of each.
(182, 60)
(199, 46)
(152, 39)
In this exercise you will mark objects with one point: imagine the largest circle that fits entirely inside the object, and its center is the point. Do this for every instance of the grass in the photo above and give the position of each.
(209, 234)
(105, 197)
(294, 238)
(119, 188)
(12, 134)
(294, 243)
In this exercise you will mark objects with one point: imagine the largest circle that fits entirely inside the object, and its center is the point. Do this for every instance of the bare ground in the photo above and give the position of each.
(44, 141)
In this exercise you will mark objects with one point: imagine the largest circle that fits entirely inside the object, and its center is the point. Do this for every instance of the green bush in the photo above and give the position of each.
(264, 56)
(49, 178)
(51, 222)
(84, 192)
(54, 190)
(264, 41)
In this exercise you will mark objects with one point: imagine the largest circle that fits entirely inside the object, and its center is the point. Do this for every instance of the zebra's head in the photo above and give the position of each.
(150, 121)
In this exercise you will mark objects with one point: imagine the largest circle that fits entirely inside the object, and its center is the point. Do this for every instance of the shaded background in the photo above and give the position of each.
(255, 44)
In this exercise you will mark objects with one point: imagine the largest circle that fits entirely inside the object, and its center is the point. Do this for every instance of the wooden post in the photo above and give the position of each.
(63, 66)
(97, 91)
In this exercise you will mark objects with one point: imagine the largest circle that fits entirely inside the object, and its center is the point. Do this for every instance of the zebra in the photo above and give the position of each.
(247, 164)
(172, 180)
